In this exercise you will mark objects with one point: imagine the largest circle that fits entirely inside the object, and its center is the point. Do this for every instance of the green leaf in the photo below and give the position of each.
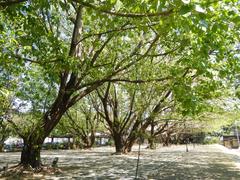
(236, 19)
(118, 5)
(186, 9)
(113, 1)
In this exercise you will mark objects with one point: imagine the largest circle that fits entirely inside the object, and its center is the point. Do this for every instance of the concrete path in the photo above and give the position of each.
(201, 162)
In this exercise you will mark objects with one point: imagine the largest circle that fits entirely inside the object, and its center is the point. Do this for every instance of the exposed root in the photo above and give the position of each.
(118, 153)
(27, 171)
(151, 148)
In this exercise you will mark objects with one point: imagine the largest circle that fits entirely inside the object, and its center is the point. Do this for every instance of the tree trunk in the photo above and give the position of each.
(151, 143)
(88, 141)
(33, 143)
(3, 136)
(119, 143)
(31, 155)
(92, 139)
(164, 140)
(129, 144)
(167, 139)
(151, 139)
(1, 147)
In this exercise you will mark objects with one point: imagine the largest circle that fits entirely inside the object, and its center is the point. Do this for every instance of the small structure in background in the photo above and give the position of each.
(58, 142)
(230, 141)
(102, 139)
(13, 144)
(59, 139)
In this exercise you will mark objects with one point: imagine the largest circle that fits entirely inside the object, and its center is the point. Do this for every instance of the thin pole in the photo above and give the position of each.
(136, 175)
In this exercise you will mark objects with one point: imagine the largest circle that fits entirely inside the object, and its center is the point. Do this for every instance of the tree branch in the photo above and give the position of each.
(98, 52)
(35, 61)
(7, 3)
(123, 28)
(141, 57)
(138, 81)
(163, 54)
(122, 14)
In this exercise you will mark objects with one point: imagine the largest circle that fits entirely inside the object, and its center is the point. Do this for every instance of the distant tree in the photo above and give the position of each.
(5, 107)
(82, 122)
(128, 112)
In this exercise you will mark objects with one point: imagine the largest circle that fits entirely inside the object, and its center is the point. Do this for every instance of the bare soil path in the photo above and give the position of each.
(202, 162)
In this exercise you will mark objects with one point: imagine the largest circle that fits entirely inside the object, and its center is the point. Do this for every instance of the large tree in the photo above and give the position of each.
(80, 45)
(79, 69)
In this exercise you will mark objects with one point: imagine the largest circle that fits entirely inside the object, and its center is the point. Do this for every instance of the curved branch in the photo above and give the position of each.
(164, 54)
(17, 56)
(122, 14)
(138, 81)
(121, 29)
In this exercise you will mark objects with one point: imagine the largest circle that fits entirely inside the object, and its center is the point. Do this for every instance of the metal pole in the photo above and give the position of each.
(138, 158)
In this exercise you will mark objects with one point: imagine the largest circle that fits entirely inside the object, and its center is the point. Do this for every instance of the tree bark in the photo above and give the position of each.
(167, 139)
(119, 143)
(128, 146)
(130, 142)
(88, 141)
(151, 143)
(31, 155)
(1, 147)
(151, 139)
(92, 139)
(4, 134)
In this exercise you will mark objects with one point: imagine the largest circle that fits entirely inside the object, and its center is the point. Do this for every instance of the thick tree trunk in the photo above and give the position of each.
(128, 148)
(31, 155)
(119, 143)
(129, 144)
(32, 144)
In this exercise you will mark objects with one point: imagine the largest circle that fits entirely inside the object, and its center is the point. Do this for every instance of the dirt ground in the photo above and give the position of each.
(201, 162)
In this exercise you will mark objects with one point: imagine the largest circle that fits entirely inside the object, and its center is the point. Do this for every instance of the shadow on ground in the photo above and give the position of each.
(202, 162)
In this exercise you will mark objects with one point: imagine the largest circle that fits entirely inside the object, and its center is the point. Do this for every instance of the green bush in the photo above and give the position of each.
(211, 140)
(110, 142)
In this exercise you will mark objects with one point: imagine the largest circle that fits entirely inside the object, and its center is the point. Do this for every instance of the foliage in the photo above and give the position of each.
(58, 52)
(81, 122)
(4, 116)
(5, 101)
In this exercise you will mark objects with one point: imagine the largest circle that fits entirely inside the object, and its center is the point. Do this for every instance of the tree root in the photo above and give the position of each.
(117, 153)
(27, 171)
